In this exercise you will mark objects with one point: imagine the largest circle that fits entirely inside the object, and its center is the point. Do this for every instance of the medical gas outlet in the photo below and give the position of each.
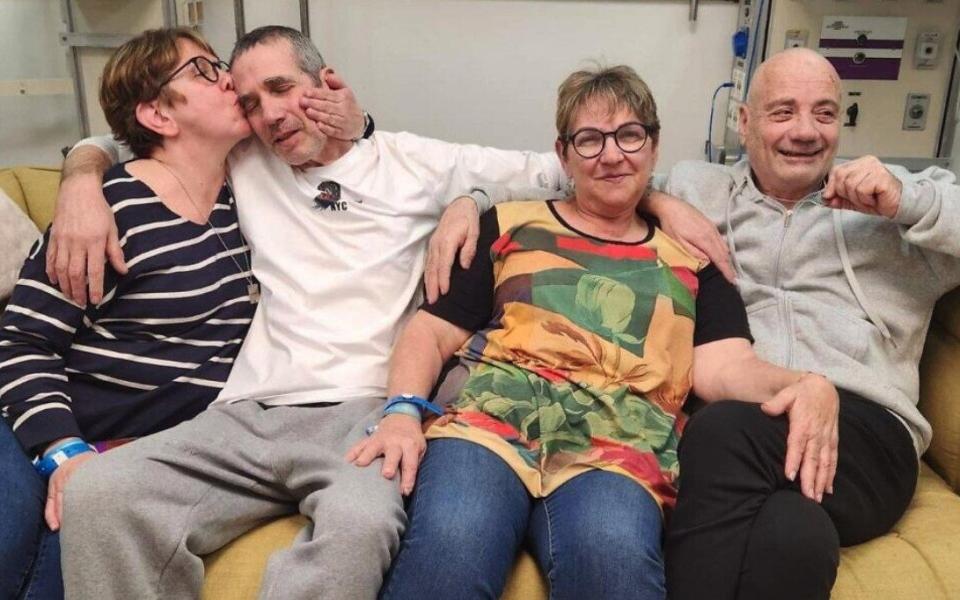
(915, 113)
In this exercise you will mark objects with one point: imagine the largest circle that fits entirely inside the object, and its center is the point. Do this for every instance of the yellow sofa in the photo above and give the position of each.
(919, 559)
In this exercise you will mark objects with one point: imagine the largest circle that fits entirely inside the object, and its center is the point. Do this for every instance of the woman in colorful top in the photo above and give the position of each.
(586, 321)
(159, 346)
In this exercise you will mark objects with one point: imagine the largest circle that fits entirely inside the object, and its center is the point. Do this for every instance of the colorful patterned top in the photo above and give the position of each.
(583, 348)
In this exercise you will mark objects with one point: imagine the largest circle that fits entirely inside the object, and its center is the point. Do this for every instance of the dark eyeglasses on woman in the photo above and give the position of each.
(208, 69)
(589, 142)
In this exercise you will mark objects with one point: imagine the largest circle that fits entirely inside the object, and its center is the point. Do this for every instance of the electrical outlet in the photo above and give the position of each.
(915, 112)
(796, 38)
(927, 49)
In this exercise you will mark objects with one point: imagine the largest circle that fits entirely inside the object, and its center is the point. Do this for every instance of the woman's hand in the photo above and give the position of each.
(53, 512)
(812, 408)
(400, 442)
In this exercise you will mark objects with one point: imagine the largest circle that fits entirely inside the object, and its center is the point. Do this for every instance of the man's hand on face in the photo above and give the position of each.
(334, 109)
(812, 407)
(399, 440)
(83, 235)
(863, 185)
(53, 512)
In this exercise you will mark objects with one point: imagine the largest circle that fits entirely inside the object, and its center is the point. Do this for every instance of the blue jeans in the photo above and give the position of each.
(596, 536)
(29, 551)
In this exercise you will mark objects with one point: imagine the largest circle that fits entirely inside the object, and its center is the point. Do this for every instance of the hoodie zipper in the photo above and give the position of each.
(784, 305)
(783, 234)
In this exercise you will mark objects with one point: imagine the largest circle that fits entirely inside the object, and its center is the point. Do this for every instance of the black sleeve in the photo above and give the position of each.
(720, 310)
(469, 303)
(370, 128)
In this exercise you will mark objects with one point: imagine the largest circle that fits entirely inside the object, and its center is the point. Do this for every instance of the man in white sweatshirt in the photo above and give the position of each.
(338, 232)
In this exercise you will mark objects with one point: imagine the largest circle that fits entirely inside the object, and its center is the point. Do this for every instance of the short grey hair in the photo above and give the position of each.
(309, 59)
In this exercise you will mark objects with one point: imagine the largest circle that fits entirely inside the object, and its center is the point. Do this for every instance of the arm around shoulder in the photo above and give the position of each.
(84, 233)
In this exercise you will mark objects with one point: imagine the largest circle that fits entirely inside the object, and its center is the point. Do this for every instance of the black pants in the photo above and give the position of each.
(741, 530)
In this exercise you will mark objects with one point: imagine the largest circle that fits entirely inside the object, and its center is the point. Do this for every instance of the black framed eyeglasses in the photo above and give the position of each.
(589, 141)
(208, 69)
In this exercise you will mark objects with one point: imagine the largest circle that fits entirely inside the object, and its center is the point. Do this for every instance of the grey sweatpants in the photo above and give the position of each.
(138, 519)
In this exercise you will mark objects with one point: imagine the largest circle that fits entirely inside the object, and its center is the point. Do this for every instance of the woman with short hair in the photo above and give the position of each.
(577, 327)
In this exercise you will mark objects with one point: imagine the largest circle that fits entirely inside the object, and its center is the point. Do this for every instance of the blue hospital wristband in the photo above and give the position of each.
(404, 408)
(402, 403)
(60, 454)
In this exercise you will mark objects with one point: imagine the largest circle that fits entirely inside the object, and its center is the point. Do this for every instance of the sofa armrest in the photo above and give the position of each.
(940, 389)
(40, 187)
(11, 187)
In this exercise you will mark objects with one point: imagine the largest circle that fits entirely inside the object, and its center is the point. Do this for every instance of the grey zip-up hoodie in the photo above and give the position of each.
(838, 292)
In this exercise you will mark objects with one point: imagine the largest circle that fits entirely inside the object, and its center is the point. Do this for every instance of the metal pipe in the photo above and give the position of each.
(73, 64)
(238, 18)
(694, 4)
(305, 17)
(170, 13)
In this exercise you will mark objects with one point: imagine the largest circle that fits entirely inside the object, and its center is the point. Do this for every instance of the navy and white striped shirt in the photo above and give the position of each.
(154, 353)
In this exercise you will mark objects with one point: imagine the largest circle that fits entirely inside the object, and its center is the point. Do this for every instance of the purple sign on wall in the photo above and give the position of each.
(864, 47)
(871, 68)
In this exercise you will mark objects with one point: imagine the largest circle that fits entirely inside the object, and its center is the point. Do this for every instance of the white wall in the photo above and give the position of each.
(218, 26)
(219, 23)
(482, 71)
(486, 71)
(273, 12)
(33, 128)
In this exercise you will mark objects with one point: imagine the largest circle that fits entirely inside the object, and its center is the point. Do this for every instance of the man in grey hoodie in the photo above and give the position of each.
(760, 512)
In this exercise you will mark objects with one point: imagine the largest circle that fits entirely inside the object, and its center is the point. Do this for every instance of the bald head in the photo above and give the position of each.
(790, 124)
(798, 65)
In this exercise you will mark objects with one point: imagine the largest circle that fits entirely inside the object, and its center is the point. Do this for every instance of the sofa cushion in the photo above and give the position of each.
(17, 234)
(947, 313)
(918, 559)
(940, 389)
(34, 189)
(40, 192)
(234, 572)
(11, 185)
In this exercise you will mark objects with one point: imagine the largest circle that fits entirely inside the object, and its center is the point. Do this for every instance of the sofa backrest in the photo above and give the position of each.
(940, 389)
(34, 189)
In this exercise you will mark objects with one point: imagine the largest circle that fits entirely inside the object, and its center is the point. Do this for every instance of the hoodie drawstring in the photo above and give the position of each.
(844, 261)
(852, 278)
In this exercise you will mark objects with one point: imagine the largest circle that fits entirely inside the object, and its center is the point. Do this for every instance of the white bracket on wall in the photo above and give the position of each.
(93, 40)
(239, 20)
(36, 87)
